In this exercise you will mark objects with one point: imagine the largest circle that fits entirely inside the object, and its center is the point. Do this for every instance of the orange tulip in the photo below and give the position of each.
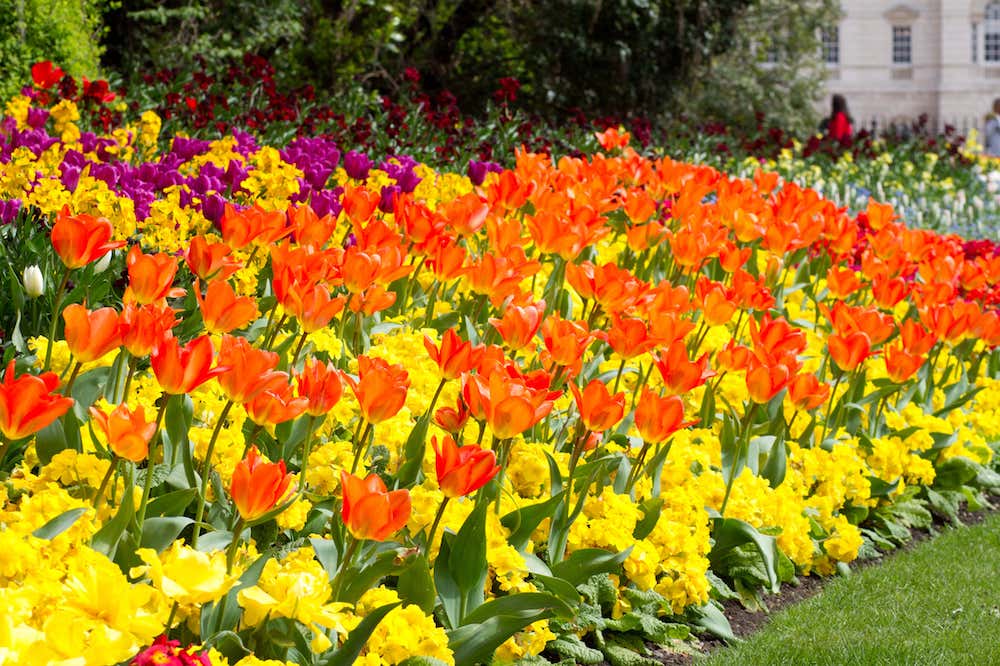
(248, 370)
(321, 385)
(369, 511)
(210, 261)
(462, 469)
(180, 370)
(380, 388)
(806, 392)
(27, 403)
(150, 277)
(916, 339)
(221, 310)
(258, 486)
(766, 381)
(81, 239)
(518, 325)
(127, 431)
(842, 282)
(599, 410)
(849, 351)
(658, 418)
(630, 337)
(565, 342)
(454, 356)
(92, 334)
(900, 365)
(680, 375)
(275, 405)
(452, 419)
(242, 227)
(508, 403)
(146, 325)
(312, 306)
(716, 302)
(310, 228)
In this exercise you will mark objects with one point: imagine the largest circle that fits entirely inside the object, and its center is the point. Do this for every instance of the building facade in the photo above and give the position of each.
(897, 60)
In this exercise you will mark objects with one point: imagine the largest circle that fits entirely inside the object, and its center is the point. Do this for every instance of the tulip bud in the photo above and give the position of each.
(34, 283)
(103, 263)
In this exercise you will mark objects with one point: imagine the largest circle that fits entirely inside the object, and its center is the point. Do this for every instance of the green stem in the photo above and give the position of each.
(99, 498)
(298, 348)
(274, 333)
(53, 324)
(744, 442)
(306, 450)
(170, 619)
(132, 364)
(829, 407)
(231, 551)
(72, 378)
(338, 580)
(147, 483)
(206, 466)
(252, 438)
(361, 447)
(618, 377)
(434, 526)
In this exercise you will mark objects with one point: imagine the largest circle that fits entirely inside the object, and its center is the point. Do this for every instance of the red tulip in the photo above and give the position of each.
(369, 511)
(462, 469)
(258, 486)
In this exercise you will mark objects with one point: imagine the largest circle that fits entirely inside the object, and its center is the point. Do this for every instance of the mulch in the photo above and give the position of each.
(745, 622)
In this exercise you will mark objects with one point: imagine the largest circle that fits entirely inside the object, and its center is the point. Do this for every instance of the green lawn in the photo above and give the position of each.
(938, 603)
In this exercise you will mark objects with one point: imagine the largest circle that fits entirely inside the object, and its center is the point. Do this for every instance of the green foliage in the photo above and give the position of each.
(740, 83)
(64, 31)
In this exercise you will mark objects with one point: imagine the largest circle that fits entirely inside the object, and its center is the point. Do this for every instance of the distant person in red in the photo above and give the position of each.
(838, 125)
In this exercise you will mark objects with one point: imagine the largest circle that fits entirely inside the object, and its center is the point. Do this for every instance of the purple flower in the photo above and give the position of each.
(37, 117)
(70, 177)
(327, 202)
(357, 165)
(212, 207)
(9, 210)
(387, 203)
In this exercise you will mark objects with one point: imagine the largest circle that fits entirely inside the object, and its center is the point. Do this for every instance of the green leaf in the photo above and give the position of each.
(49, 441)
(569, 645)
(467, 560)
(711, 619)
(176, 446)
(476, 643)
(954, 473)
(730, 533)
(328, 555)
(416, 586)
(158, 533)
(774, 469)
(229, 644)
(351, 648)
(59, 524)
(362, 577)
(651, 509)
(584, 563)
(172, 503)
(413, 453)
(447, 589)
(523, 522)
(561, 588)
(87, 388)
(518, 603)
(106, 539)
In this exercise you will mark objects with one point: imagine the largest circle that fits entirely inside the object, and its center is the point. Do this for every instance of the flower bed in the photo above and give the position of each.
(282, 402)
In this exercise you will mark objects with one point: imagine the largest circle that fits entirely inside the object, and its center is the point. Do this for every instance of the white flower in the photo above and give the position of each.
(34, 283)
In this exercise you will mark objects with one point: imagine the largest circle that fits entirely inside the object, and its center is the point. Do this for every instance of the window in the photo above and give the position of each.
(991, 33)
(772, 55)
(975, 43)
(830, 40)
(902, 45)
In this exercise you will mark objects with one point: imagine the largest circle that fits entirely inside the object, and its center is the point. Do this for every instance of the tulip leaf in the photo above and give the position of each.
(59, 524)
(467, 560)
(49, 441)
(517, 603)
(523, 522)
(413, 453)
(711, 619)
(87, 388)
(351, 648)
(364, 576)
(158, 533)
(476, 643)
(651, 510)
(447, 589)
(327, 554)
(172, 503)
(176, 446)
(562, 589)
(224, 614)
(775, 467)
(106, 539)
(416, 586)
(584, 563)
(229, 644)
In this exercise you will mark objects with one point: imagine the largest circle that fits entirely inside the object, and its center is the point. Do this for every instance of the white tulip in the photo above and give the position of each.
(34, 283)
(103, 263)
